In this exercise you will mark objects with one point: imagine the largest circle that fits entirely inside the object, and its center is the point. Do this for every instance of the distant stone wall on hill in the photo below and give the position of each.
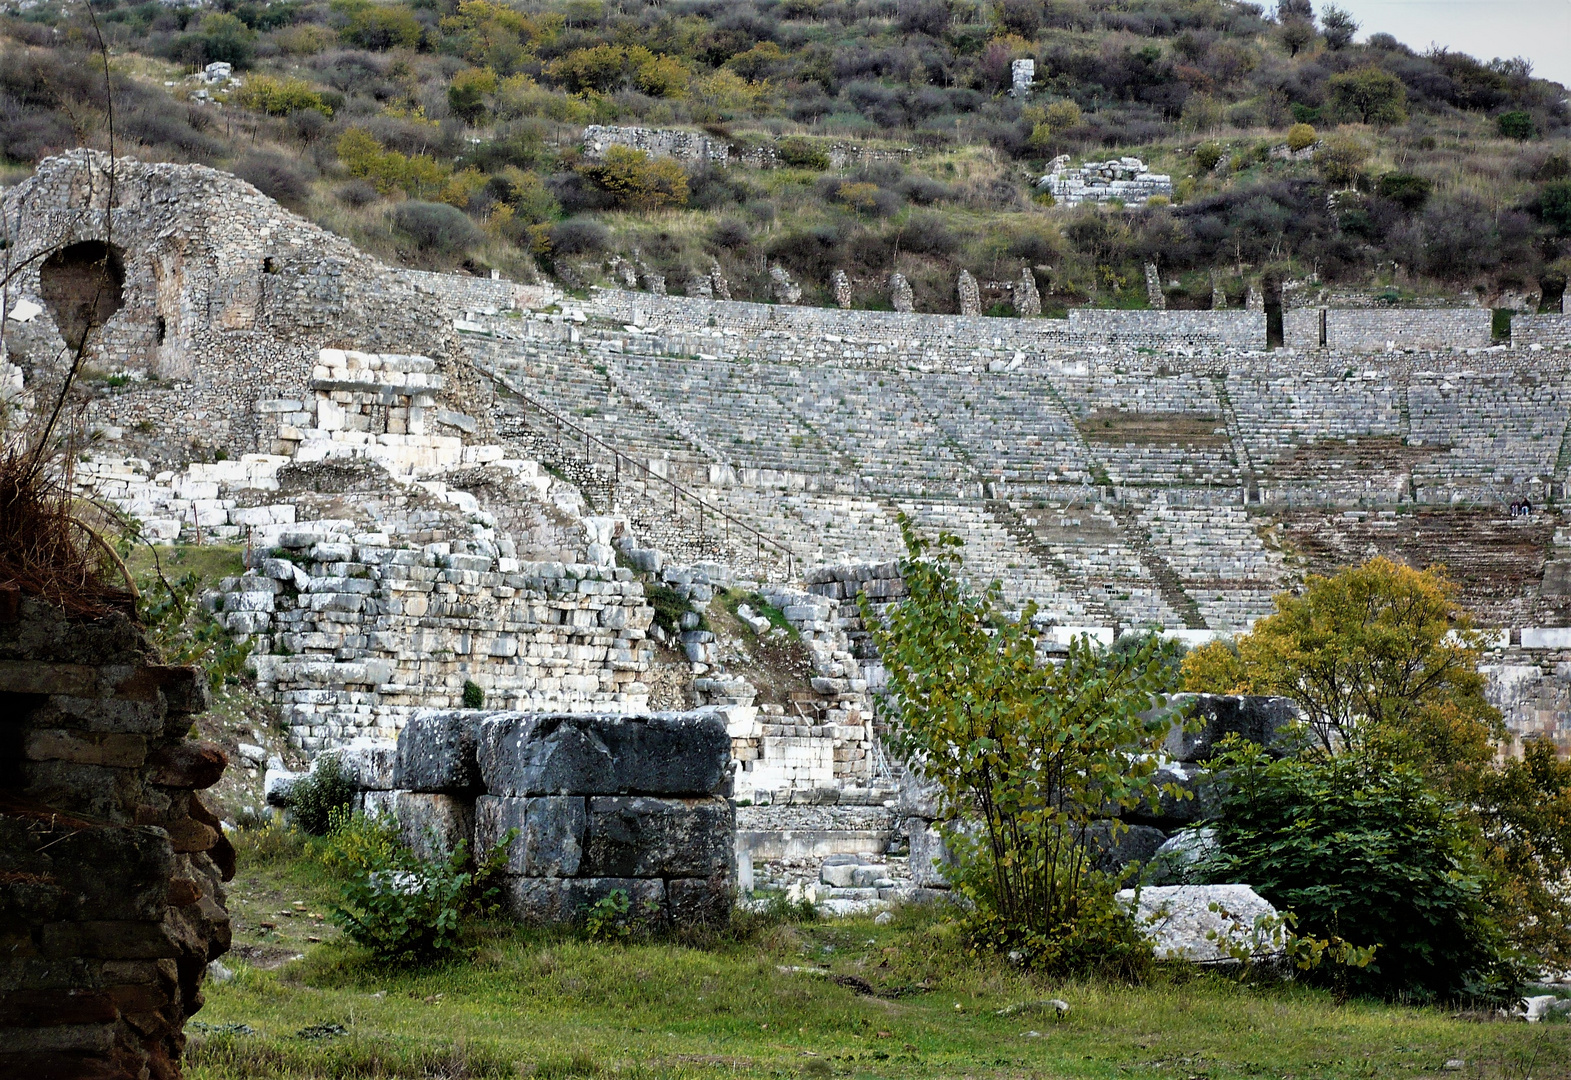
(1550, 331)
(1385, 329)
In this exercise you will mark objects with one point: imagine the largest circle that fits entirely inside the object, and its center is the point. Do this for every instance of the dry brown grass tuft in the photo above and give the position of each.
(49, 552)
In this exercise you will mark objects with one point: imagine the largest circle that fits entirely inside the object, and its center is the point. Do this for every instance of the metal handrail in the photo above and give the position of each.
(677, 490)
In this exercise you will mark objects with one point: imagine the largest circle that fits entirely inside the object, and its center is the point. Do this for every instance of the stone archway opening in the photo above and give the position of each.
(82, 285)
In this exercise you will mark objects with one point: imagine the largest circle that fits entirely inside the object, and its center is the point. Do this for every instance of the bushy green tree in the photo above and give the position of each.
(1364, 850)
(1029, 756)
(1369, 95)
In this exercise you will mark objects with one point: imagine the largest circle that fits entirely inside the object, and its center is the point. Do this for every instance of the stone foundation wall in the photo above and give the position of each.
(600, 804)
(111, 867)
(1235, 329)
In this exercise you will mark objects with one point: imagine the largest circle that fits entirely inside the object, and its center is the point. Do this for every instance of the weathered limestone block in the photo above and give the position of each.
(436, 753)
(623, 272)
(1028, 301)
(700, 285)
(1154, 294)
(929, 855)
(551, 830)
(700, 901)
(556, 900)
(842, 287)
(370, 764)
(1022, 73)
(1256, 300)
(969, 294)
(1199, 923)
(432, 825)
(900, 293)
(784, 290)
(638, 836)
(1218, 294)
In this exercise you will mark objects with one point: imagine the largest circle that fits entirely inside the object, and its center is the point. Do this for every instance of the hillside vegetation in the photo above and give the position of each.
(445, 133)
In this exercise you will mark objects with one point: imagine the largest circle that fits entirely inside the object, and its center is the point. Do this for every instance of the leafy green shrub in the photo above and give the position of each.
(410, 911)
(474, 695)
(1028, 758)
(316, 797)
(435, 227)
(802, 154)
(273, 842)
(1406, 190)
(1554, 206)
(1516, 124)
(280, 97)
(186, 632)
(1300, 137)
(669, 606)
(1207, 155)
(356, 842)
(1363, 851)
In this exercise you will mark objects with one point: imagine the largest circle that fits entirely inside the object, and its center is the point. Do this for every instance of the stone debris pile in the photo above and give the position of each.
(1126, 180)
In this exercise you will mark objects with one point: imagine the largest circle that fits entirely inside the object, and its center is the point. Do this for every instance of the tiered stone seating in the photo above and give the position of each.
(821, 527)
(1277, 414)
(1091, 545)
(1222, 562)
(733, 410)
(1153, 429)
(877, 420)
(992, 553)
(1497, 430)
(1011, 426)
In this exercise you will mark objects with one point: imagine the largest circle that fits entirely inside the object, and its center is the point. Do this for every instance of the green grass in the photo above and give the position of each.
(542, 1003)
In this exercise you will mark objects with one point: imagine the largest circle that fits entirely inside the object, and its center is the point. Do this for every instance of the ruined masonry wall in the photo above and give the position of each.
(112, 887)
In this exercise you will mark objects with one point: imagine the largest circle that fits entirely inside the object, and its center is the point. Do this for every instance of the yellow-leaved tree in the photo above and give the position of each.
(1382, 658)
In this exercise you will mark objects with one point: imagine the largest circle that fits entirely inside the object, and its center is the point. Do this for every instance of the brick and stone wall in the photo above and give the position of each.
(111, 867)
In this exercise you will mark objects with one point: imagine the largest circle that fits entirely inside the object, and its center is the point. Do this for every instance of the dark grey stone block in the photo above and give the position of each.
(524, 754)
(578, 754)
(436, 753)
(551, 828)
(1138, 843)
(557, 900)
(700, 901)
(1258, 719)
(432, 825)
(1169, 812)
(641, 836)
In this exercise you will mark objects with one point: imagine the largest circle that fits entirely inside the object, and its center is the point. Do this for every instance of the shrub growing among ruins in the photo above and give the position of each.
(316, 797)
(1027, 757)
(435, 227)
(1362, 850)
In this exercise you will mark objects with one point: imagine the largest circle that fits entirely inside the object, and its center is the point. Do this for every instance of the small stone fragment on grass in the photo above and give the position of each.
(883, 918)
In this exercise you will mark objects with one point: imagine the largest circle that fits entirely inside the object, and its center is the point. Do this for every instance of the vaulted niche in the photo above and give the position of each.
(82, 285)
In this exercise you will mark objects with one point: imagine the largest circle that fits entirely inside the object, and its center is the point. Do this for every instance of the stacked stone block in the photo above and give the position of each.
(1386, 329)
(1126, 180)
(599, 803)
(111, 866)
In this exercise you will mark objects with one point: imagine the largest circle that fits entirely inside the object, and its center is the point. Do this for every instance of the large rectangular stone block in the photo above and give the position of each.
(700, 901)
(548, 900)
(640, 836)
(370, 764)
(551, 828)
(929, 855)
(524, 754)
(436, 753)
(432, 825)
(1256, 718)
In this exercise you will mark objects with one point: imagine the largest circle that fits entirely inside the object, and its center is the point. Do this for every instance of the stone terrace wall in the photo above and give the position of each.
(1239, 329)
(1546, 330)
(227, 299)
(111, 868)
(1383, 329)
(698, 147)
(463, 293)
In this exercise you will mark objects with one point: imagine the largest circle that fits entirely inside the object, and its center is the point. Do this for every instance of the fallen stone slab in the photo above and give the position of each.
(1179, 918)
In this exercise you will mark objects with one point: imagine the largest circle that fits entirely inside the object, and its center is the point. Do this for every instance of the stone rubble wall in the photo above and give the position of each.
(1126, 180)
(695, 147)
(1387, 329)
(227, 300)
(113, 867)
(462, 293)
